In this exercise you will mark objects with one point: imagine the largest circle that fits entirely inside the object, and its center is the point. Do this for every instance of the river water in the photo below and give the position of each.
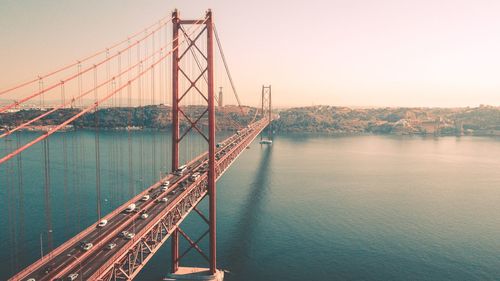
(304, 208)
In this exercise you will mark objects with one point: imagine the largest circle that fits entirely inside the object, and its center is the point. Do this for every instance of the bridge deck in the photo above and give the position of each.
(128, 257)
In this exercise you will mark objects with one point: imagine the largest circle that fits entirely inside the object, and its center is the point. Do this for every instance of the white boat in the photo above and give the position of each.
(266, 142)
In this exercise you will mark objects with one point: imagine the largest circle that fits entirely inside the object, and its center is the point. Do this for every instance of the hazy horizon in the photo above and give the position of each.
(357, 53)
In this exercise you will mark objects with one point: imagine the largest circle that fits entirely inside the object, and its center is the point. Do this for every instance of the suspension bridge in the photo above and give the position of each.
(164, 78)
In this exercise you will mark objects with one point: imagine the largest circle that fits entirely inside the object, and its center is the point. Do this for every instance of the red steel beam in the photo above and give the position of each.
(175, 92)
(175, 125)
(115, 265)
(211, 146)
(74, 240)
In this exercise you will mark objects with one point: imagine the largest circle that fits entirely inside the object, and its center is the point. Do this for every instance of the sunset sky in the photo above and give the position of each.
(335, 52)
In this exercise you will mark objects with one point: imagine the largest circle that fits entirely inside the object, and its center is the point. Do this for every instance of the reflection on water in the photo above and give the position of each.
(251, 213)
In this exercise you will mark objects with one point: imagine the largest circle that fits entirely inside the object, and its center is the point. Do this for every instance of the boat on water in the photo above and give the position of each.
(266, 142)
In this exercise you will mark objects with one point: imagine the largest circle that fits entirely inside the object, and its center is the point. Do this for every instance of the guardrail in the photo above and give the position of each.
(75, 239)
(115, 266)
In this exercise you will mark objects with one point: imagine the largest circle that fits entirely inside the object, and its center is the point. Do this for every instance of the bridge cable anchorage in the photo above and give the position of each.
(165, 21)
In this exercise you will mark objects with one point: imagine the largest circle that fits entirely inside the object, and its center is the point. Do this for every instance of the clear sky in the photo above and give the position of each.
(336, 52)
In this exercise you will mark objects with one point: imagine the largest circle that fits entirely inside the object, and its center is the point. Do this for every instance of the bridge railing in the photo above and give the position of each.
(115, 265)
(75, 239)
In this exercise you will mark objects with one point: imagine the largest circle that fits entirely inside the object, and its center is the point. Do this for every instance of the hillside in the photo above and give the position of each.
(484, 120)
(153, 117)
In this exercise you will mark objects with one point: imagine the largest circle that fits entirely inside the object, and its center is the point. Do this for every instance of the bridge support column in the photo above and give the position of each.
(211, 146)
(179, 92)
(175, 125)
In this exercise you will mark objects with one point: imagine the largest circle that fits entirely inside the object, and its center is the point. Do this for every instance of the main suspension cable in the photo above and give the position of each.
(80, 96)
(71, 77)
(84, 111)
(21, 85)
(221, 51)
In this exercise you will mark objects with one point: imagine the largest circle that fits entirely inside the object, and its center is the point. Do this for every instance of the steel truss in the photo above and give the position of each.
(205, 68)
(128, 262)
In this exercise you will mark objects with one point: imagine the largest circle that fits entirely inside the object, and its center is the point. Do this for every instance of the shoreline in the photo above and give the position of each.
(44, 129)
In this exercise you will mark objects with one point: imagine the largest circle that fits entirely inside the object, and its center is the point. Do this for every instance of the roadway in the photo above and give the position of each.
(73, 259)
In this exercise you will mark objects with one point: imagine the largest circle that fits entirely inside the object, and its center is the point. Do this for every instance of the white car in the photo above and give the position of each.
(166, 183)
(145, 198)
(130, 235)
(111, 246)
(164, 199)
(124, 233)
(72, 276)
(194, 176)
(164, 188)
(130, 208)
(87, 246)
(102, 223)
(144, 216)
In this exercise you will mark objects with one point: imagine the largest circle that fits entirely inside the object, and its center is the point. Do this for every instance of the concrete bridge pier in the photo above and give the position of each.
(194, 274)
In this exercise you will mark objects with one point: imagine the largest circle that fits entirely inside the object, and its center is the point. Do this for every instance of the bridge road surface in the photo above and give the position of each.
(92, 264)
(86, 262)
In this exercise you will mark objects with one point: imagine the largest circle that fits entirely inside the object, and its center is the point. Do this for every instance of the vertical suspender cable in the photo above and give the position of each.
(40, 88)
(129, 125)
(79, 67)
(219, 45)
(75, 178)
(65, 165)
(77, 147)
(160, 112)
(130, 154)
(110, 159)
(119, 170)
(20, 176)
(141, 119)
(120, 80)
(48, 207)
(97, 148)
(153, 124)
(10, 209)
(141, 138)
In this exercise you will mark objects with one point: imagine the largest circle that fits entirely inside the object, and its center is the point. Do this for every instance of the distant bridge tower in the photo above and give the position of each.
(266, 112)
(220, 97)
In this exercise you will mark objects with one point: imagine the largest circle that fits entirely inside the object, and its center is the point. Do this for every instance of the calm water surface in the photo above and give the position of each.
(305, 208)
